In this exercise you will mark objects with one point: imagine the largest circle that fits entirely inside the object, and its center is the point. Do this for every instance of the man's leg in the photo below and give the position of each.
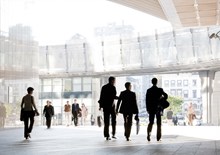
(125, 125)
(26, 119)
(150, 125)
(31, 123)
(113, 120)
(158, 126)
(129, 124)
(106, 124)
(49, 122)
(75, 118)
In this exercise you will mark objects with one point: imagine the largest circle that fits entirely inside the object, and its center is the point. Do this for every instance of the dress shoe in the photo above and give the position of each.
(108, 138)
(114, 137)
(148, 138)
(128, 139)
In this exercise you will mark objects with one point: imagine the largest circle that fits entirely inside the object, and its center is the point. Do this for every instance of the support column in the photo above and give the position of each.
(207, 78)
(96, 88)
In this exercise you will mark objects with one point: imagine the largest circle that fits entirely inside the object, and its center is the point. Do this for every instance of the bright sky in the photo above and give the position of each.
(55, 21)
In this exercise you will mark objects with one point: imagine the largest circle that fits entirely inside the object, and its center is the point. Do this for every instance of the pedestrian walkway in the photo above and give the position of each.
(89, 140)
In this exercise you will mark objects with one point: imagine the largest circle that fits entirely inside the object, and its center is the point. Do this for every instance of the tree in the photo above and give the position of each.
(175, 104)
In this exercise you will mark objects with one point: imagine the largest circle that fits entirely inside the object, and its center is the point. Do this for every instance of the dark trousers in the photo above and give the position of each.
(127, 124)
(151, 122)
(48, 122)
(75, 118)
(107, 114)
(28, 115)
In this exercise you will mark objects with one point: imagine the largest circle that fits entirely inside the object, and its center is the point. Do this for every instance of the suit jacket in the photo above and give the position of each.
(153, 97)
(75, 108)
(127, 103)
(107, 96)
(48, 111)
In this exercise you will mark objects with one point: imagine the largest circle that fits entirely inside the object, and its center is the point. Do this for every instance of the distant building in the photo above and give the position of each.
(187, 86)
(113, 29)
(20, 33)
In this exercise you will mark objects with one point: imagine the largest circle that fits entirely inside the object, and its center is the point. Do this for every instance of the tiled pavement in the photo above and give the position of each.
(89, 140)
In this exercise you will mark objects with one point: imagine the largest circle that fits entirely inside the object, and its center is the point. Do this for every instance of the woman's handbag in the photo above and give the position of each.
(22, 115)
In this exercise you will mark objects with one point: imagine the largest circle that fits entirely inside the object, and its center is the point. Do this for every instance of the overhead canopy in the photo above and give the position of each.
(181, 13)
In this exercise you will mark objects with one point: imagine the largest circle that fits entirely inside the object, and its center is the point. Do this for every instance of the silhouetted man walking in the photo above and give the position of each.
(106, 101)
(128, 106)
(49, 113)
(154, 96)
(75, 112)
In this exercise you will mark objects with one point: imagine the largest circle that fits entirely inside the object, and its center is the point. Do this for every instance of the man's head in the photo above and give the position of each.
(48, 102)
(67, 102)
(128, 86)
(75, 100)
(154, 81)
(30, 90)
(111, 80)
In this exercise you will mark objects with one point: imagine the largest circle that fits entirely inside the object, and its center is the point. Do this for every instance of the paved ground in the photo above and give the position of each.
(89, 140)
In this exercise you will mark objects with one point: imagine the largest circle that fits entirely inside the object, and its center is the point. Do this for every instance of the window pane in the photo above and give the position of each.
(47, 82)
(77, 87)
(67, 85)
(77, 81)
(185, 82)
(87, 87)
(47, 88)
(57, 82)
(173, 83)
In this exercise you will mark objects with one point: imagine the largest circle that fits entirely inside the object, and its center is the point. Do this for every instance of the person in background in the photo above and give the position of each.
(191, 114)
(75, 112)
(28, 106)
(175, 120)
(106, 102)
(128, 106)
(48, 113)
(2, 115)
(92, 119)
(154, 96)
(84, 114)
(67, 110)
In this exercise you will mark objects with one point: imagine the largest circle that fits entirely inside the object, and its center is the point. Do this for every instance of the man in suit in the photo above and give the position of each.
(106, 102)
(128, 106)
(75, 112)
(154, 96)
(49, 113)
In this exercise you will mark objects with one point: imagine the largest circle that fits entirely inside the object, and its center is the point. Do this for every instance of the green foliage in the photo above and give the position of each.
(175, 104)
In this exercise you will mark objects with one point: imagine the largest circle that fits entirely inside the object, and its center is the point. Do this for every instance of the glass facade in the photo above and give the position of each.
(60, 90)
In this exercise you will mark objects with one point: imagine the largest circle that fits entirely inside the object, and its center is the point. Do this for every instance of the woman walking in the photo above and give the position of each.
(27, 106)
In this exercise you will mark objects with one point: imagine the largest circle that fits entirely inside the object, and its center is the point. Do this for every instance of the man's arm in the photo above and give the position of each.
(119, 102)
(164, 95)
(101, 99)
(116, 97)
(136, 106)
(22, 102)
(147, 101)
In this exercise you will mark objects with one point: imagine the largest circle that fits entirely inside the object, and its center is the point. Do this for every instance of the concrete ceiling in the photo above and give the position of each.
(181, 13)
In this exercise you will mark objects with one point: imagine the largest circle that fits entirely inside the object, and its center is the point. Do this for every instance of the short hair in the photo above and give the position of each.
(154, 81)
(127, 84)
(111, 79)
(30, 90)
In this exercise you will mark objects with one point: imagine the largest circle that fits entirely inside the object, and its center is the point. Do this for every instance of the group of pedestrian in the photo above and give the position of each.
(127, 105)
(74, 112)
